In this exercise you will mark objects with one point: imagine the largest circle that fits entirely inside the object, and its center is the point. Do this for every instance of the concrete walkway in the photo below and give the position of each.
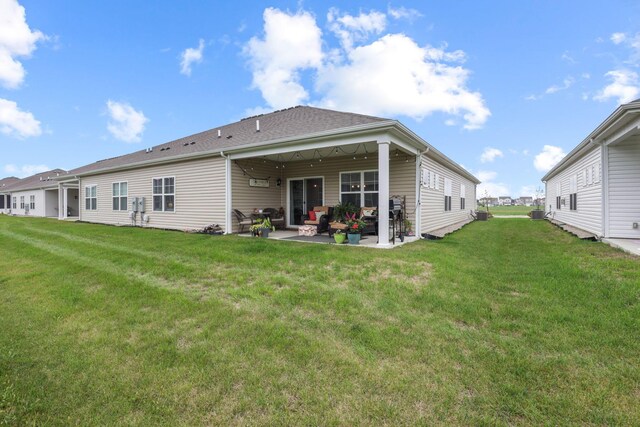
(631, 246)
(511, 216)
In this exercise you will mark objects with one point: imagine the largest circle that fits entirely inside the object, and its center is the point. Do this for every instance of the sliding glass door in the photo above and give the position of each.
(303, 195)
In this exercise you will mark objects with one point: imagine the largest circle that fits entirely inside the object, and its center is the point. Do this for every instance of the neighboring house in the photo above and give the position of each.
(488, 201)
(37, 195)
(5, 193)
(504, 201)
(596, 187)
(525, 201)
(296, 158)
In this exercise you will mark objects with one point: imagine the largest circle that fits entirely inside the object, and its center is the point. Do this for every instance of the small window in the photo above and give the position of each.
(447, 194)
(32, 202)
(463, 196)
(14, 202)
(91, 197)
(21, 202)
(164, 194)
(120, 193)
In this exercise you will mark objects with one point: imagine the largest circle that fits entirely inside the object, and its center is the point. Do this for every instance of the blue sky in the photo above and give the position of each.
(504, 88)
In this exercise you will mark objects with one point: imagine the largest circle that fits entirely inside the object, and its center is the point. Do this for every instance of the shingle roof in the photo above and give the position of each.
(288, 123)
(7, 182)
(39, 180)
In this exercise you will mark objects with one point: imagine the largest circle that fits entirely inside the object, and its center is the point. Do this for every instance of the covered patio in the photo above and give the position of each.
(297, 178)
(366, 241)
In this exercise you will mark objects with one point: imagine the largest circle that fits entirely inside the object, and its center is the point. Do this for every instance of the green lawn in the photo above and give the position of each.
(509, 210)
(504, 322)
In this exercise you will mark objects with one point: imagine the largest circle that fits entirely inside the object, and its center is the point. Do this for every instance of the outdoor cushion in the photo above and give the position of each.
(309, 222)
(367, 211)
(312, 215)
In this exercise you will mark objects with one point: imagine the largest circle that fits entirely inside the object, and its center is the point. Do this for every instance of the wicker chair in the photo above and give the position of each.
(323, 222)
(277, 220)
(242, 219)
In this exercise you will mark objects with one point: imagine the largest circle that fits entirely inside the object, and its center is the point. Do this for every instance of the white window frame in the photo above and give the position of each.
(91, 197)
(163, 195)
(362, 190)
(21, 202)
(32, 202)
(448, 190)
(15, 202)
(120, 196)
(463, 197)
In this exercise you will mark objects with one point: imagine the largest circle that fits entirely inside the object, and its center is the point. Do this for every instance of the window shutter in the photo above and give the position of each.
(437, 181)
(584, 178)
(558, 189)
(596, 173)
(447, 187)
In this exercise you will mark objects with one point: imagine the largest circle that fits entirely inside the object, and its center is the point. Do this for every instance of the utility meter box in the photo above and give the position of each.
(134, 204)
(141, 203)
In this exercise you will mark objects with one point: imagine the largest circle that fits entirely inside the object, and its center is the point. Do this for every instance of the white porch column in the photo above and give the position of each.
(383, 193)
(60, 189)
(64, 202)
(228, 218)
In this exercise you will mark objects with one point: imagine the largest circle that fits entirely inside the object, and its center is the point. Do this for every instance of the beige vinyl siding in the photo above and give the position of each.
(39, 199)
(199, 194)
(624, 189)
(246, 198)
(588, 216)
(433, 215)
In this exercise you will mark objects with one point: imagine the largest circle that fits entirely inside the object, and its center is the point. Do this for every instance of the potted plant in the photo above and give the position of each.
(408, 225)
(354, 228)
(339, 237)
(538, 213)
(262, 227)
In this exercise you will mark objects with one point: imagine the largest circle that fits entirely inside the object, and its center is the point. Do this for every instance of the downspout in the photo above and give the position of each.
(418, 227)
(604, 183)
(228, 224)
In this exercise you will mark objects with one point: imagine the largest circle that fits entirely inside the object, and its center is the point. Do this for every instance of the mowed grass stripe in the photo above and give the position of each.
(116, 267)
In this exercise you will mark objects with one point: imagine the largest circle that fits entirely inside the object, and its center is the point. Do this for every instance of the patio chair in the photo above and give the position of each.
(277, 220)
(242, 219)
(323, 213)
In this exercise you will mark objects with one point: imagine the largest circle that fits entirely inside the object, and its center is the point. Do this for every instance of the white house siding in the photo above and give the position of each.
(433, 215)
(402, 176)
(39, 200)
(199, 194)
(588, 215)
(624, 189)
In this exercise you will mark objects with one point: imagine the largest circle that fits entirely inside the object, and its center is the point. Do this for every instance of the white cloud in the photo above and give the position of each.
(566, 84)
(126, 123)
(531, 191)
(618, 38)
(392, 75)
(291, 43)
(191, 56)
(350, 29)
(17, 123)
(548, 158)
(624, 86)
(24, 170)
(16, 40)
(403, 13)
(490, 154)
(485, 176)
(489, 184)
(568, 58)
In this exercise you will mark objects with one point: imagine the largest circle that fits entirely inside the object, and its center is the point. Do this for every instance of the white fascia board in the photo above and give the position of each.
(309, 145)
